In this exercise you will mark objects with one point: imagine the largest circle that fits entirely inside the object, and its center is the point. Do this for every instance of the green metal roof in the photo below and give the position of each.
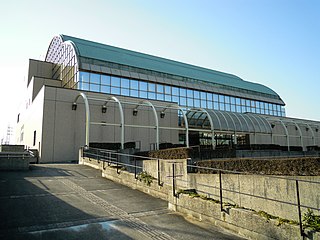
(89, 49)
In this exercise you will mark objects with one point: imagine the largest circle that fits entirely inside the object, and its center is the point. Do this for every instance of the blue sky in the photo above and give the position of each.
(272, 42)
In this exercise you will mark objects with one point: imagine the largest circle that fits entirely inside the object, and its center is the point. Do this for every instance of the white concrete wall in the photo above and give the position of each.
(64, 129)
(39, 69)
(38, 82)
(30, 120)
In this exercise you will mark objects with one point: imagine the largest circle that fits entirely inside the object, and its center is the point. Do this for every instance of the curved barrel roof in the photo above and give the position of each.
(229, 121)
(102, 52)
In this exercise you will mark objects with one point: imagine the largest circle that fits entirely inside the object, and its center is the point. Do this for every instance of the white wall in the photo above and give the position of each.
(64, 129)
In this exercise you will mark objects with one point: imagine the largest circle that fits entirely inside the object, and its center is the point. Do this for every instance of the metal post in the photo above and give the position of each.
(117, 164)
(299, 209)
(158, 172)
(173, 181)
(220, 188)
(135, 167)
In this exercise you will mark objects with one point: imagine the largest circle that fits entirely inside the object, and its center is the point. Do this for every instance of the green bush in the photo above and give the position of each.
(145, 177)
(311, 220)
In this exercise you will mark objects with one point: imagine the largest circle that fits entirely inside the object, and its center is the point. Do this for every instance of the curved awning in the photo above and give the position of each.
(229, 121)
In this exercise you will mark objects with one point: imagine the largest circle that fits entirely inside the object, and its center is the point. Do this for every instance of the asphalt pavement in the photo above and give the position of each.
(70, 201)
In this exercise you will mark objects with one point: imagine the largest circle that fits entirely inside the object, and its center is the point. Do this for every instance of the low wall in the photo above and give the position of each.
(242, 221)
(263, 188)
(151, 167)
(10, 162)
(128, 179)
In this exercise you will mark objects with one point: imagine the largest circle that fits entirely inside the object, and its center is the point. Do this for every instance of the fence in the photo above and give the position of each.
(285, 197)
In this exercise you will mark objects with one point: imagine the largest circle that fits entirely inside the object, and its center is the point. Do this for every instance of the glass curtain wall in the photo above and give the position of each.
(189, 98)
(66, 64)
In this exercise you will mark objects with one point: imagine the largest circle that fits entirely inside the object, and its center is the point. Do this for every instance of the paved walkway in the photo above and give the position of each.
(69, 201)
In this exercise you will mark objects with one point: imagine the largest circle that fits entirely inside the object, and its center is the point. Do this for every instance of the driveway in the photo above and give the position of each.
(70, 201)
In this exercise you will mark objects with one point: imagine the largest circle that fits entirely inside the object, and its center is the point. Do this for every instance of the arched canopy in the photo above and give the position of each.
(212, 121)
(148, 103)
(229, 121)
(186, 124)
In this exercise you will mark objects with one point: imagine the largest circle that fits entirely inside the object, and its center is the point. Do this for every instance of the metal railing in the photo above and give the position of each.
(116, 159)
(23, 155)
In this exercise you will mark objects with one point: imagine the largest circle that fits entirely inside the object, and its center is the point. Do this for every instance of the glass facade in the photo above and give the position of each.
(66, 64)
(188, 98)
(66, 68)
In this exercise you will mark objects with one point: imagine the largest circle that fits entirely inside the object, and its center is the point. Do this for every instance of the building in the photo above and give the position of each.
(131, 98)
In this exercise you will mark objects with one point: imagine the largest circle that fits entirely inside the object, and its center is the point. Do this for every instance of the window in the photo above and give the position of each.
(143, 94)
(196, 94)
(34, 137)
(124, 83)
(216, 105)
(115, 82)
(84, 86)
(84, 77)
(94, 88)
(175, 91)
(215, 98)
(221, 106)
(190, 93)
(134, 93)
(189, 102)
(151, 95)
(197, 103)
(134, 84)
(221, 99)
(175, 99)
(183, 92)
(105, 89)
(151, 87)
(160, 88)
(183, 101)
(203, 103)
(143, 86)
(233, 100)
(167, 89)
(124, 91)
(94, 78)
(160, 96)
(167, 98)
(115, 90)
(105, 80)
